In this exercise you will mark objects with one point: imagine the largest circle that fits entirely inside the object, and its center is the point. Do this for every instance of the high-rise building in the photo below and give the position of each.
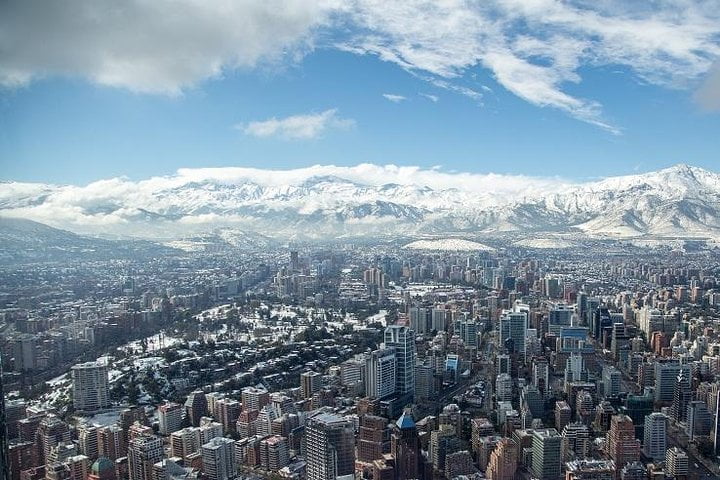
(170, 416)
(563, 413)
(4, 448)
(196, 407)
(329, 447)
(681, 397)
(513, 328)
(559, 315)
(373, 437)
(218, 459)
(90, 387)
(622, 445)
(666, 374)
(699, 420)
(254, 398)
(546, 457)
(655, 436)
(310, 382)
(541, 376)
(88, 440)
(51, 432)
(611, 381)
(380, 373)
(111, 442)
(575, 441)
(677, 463)
(503, 461)
(405, 448)
(143, 452)
(402, 340)
(503, 388)
(274, 453)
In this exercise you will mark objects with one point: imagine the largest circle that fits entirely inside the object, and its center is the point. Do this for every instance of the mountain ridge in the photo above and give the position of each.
(681, 200)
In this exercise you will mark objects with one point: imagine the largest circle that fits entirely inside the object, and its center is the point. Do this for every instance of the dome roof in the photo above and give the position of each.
(102, 465)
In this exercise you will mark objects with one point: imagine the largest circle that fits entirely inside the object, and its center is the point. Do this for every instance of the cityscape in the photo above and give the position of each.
(359, 240)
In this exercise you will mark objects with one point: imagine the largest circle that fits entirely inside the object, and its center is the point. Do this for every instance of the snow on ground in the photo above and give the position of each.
(544, 243)
(104, 419)
(64, 378)
(448, 244)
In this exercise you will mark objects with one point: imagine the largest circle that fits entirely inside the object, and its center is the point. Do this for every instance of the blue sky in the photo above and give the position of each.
(573, 108)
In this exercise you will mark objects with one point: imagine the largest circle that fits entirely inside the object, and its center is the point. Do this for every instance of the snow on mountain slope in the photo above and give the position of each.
(681, 201)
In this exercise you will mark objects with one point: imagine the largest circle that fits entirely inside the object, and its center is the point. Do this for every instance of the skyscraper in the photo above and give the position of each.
(4, 458)
(90, 387)
(310, 382)
(330, 447)
(196, 407)
(622, 445)
(503, 461)
(677, 463)
(405, 448)
(655, 436)
(546, 454)
(380, 373)
(143, 452)
(402, 339)
(218, 459)
(170, 418)
(513, 328)
(681, 397)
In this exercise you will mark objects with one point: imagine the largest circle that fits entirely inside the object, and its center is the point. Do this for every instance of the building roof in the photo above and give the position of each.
(102, 465)
(405, 421)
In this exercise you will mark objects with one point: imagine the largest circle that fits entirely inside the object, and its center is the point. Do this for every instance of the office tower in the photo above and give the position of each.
(4, 448)
(111, 442)
(677, 463)
(380, 370)
(424, 381)
(90, 387)
(51, 432)
(439, 319)
(419, 319)
(585, 469)
(88, 440)
(584, 407)
(681, 397)
(25, 353)
(143, 452)
(666, 375)
(503, 388)
(218, 459)
(402, 340)
(611, 381)
(600, 319)
(170, 416)
(254, 398)
(405, 448)
(102, 469)
(352, 373)
(310, 382)
(503, 461)
(575, 441)
(622, 445)
(513, 328)
(329, 447)
(541, 376)
(563, 413)
(546, 455)
(655, 436)
(559, 315)
(504, 364)
(699, 420)
(196, 407)
(575, 369)
(637, 407)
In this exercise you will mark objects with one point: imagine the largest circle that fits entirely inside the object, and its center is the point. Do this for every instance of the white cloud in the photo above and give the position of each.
(394, 98)
(535, 49)
(152, 46)
(297, 127)
(432, 98)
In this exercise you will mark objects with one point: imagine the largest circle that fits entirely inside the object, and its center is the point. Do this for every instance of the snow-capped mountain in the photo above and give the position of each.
(680, 201)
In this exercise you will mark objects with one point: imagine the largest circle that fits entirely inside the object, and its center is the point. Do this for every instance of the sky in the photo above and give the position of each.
(575, 89)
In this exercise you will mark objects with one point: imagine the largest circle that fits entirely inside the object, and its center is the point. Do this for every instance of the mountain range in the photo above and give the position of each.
(680, 202)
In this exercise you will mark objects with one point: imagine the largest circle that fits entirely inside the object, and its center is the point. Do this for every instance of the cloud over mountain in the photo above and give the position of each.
(372, 199)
